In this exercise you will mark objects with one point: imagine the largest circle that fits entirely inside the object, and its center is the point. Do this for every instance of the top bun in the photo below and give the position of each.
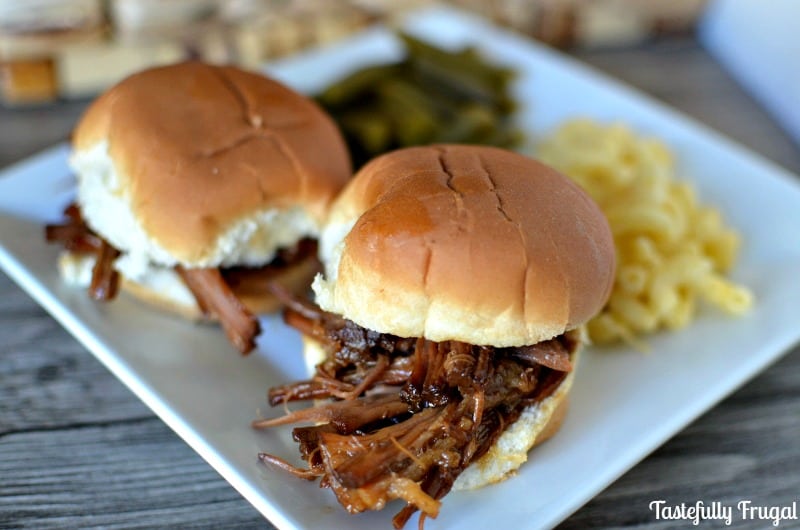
(468, 243)
(206, 165)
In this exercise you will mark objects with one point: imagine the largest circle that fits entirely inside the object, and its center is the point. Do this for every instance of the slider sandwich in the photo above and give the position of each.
(446, 326)
(197, 186)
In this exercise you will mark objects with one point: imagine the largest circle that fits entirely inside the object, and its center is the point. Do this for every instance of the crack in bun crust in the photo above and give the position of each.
(197, 148)
(468, 243)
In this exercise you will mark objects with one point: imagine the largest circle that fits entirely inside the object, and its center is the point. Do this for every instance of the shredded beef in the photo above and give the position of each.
(216, 298)
(76, 236)
(409, 414)
(254, 281)
(105, 278)
(217, 291)
(73, 234)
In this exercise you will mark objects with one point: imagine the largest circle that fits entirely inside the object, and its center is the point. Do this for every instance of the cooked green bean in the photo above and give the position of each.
(432, 95)
(473, 122)
(369, 128)
(414, 118)
(465, 63)
(352, 87)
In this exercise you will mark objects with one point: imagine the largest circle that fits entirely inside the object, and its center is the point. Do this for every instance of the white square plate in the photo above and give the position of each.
(624, 403)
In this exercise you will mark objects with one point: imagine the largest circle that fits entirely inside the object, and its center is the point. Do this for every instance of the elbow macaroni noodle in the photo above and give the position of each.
(671, 250)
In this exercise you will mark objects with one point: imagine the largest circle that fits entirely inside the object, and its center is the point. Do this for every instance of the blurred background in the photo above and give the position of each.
(55, 55)
(64, 49)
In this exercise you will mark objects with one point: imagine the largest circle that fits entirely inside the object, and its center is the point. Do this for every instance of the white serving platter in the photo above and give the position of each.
(624, 403)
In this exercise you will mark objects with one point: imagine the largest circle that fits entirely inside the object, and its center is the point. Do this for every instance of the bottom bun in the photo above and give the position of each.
(536, 424)
(164, 288)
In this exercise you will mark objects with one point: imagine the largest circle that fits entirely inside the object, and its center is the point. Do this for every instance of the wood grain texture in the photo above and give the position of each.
(78, 450)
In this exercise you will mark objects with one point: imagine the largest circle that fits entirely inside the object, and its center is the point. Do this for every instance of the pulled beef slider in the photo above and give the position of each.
(197, 186)
(446, 325)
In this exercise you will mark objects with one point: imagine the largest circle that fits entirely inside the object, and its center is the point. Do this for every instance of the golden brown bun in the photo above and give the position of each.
(197, 148)
(167, 291)
(467, 243)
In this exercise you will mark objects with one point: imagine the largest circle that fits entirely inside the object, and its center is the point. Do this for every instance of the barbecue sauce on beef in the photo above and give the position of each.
(428, 409)
(217, 291)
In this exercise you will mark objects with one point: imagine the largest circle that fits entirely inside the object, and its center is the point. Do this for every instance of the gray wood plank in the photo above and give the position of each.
(745, 448)
(48, 379)
(79, 450)
(126, 474)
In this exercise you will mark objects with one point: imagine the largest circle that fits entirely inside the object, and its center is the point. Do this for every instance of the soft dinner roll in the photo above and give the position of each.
(203, 166)
(467, 243)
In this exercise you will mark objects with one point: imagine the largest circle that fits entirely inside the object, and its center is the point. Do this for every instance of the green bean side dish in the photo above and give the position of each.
(431, 96)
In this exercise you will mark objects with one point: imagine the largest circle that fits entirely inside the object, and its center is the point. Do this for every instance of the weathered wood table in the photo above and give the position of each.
(78, 450)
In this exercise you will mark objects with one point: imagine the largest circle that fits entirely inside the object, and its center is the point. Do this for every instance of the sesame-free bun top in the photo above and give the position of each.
(202, 156)
(468, 243)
